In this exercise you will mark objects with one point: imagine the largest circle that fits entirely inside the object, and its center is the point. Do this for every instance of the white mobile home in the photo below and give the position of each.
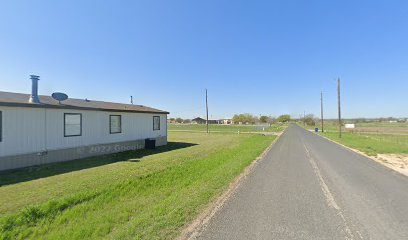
(39, 129)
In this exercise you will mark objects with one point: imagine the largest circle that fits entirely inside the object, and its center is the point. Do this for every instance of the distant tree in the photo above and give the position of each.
(244, 118)
(271, 120)
(255, 120)
(172, 119)
(360, 120)
(310, 120)
(237, 119)
(284, 118)
(179, 120)
(263, 119)
(387, 119)
(186, 121)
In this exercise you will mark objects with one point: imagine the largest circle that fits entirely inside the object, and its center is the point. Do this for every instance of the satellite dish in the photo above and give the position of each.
(59, 96)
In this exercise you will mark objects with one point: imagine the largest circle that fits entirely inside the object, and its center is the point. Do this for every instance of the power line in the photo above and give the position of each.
(304, 118)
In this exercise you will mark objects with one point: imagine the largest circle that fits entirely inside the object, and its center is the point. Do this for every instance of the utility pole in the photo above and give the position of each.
(131, 99)
(339, 106)
(321, 109)
(304, 118)
(206, 106)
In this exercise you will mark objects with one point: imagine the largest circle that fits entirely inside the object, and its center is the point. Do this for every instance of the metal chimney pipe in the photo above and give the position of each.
(34, 89)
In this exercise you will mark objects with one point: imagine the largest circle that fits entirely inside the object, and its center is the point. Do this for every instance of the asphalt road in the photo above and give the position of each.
(310, 188)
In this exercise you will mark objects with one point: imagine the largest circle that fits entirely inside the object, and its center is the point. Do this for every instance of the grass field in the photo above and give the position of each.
(372, 138)
(372, 144)
(147, 194)
(368, 127)
(226, 128)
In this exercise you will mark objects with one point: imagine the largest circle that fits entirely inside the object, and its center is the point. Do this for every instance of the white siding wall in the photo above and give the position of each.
(30, 130)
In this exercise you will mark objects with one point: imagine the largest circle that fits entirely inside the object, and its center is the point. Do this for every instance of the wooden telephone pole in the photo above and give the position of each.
(321, 109)
(339, 106)
(304, 118)
(206, 106)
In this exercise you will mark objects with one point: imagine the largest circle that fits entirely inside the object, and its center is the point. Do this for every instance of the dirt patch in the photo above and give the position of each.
(398, 162)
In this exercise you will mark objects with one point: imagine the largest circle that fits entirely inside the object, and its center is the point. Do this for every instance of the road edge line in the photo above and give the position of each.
(362, 154)
(199, 224)
(331, 202)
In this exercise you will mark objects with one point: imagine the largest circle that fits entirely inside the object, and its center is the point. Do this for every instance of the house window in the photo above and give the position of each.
(72, 124)
(156, 123)
(1, 126)
(115, 122)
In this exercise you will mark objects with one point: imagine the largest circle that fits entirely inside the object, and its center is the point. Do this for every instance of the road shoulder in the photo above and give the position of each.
(380, 158)
(197, 226)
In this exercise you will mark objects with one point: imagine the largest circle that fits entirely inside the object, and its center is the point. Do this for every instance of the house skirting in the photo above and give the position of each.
(61, 155)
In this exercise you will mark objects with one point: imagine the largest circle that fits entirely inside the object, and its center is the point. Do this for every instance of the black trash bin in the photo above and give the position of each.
(150, 143)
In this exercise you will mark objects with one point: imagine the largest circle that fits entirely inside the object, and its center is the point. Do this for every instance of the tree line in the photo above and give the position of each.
(309, 119)
(246, 118)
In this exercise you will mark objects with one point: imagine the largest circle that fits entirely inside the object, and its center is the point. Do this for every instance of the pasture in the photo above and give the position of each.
(371, 138)
(372, 144)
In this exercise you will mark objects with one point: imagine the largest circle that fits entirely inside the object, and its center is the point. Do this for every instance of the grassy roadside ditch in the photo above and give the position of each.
(149, 194)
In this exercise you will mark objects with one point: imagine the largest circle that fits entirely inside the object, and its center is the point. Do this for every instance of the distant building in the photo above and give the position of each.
(199, 120)
(227, 121)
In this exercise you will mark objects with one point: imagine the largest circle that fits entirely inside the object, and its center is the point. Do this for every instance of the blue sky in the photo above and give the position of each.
(259, 57)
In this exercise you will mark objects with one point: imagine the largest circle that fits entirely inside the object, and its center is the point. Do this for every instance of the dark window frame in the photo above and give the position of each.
(159, 123)
(110, 123)
(80, 125)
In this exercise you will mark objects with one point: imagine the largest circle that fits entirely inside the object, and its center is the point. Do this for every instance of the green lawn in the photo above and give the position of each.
(147, 194)
(227, 128)
(372, 144)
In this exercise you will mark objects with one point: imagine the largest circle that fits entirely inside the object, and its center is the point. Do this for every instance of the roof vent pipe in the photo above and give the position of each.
(34, 89)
